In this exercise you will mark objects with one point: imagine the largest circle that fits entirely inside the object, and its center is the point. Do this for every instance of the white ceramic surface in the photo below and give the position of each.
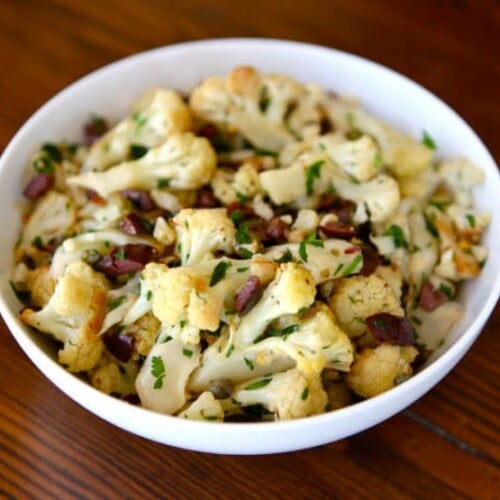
(393, 97)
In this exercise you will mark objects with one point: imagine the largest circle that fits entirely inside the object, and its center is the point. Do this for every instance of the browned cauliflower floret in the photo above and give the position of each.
(42, 285)
(269, 110)
(74, 315)
(357, 297)
(144, 330)
(377, 370)
(112, 377)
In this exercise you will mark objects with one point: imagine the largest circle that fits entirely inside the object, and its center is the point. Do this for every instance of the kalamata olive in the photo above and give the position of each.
(371, 260)
(120, 345)
(249, 295)
(221, 388)
(135, 224)
(126, 259)
(38, 185)
(206, 199)
(337, 230)
(387, 328)
(139, 198)
(132, 399)
(276, 231)
(95, 128)
(430, 297)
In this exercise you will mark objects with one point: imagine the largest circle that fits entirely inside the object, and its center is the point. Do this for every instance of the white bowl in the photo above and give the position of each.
(393, 97)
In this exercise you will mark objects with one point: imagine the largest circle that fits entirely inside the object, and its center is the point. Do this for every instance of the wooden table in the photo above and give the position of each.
(445, 446)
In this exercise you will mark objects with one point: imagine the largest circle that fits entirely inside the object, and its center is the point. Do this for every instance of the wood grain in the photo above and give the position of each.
(447, 445)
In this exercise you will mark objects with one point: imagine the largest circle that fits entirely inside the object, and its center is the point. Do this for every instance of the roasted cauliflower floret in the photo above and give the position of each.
(183, 161)
(268, 110)
(460, 176)
(375, 199)
(161, 383)
(324, 259)
(52, 218)
(202, 232)
(288, 395)
(204, 407)
(74, 315)
(401, 153)
(230, 185)
(308, 343)
(98, 242)
(113, 377)
(201, 294)
(156, 115)
(377, 370)
(357, 297)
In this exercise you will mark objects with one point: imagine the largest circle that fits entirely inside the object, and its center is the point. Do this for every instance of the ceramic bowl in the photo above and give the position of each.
(109, 91)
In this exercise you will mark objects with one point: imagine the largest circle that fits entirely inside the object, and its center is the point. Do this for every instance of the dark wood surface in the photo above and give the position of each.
(447, 445)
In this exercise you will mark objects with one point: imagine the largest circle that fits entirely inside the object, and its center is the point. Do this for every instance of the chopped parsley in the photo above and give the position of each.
(219, 272)
(305, 394)
(440, 204)
(286, 257)
(249, 363)
(187, 352)
(149, 295)
(377, 160)
(264, 152)
(428, 141)
(237, 216)
(140, 120)
(116, 302)
(245, 253)
(313, 172)
(243, 235)
(43, 164)
(52, 151)
(158, 371)
(313, 240)
(37, 242)
(138, 151)
(447, 290)
(471, 220)
(230, 351)
(353, 265)
(120, 255)
(241, 197)
(163, 183)
(258, 385)
(242, 269)
(22, 295)
(397, 235)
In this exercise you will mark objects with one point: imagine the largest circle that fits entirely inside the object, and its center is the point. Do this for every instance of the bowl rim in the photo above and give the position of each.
(67, 382)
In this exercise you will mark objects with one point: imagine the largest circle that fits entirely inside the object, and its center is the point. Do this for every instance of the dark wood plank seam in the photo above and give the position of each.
(450, 438)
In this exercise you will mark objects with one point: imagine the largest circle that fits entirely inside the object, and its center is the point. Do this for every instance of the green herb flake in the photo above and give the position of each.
(339, 267)
(242, 269)
(441, 205)
(139, 119)
(243, 235)
(116, 302)
(447, 290)
(158, 371)
(168, 338)
(120, 254)
(187, 352)
(137, 151)
(182, 323)
(264, 152)
(219, 272)
(52, 151)
(249, 363)
(237, 216)
(241, 197)
(258, 385)
(305, 394)
(286, 257)
(230, 351)
(313, 240)
(428, 141)
(471, 220)
(163, 183)
(43, 164)
(377, 160)
(313, 172)
(416, 320)
(429, 225)
(37, 242)
(353, 265)
(397, 235)
(149, 295)
(245, 253)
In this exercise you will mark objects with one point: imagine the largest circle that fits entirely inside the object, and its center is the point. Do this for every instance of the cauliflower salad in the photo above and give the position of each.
(258, 250)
